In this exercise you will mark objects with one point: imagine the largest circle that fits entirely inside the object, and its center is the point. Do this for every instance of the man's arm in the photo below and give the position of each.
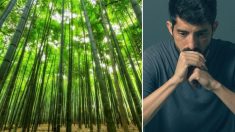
(152, 103)
(226, 95)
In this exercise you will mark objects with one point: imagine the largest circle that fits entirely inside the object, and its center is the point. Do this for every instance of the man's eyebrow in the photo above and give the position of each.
(203, 30)
(199, 31)
(181, 30)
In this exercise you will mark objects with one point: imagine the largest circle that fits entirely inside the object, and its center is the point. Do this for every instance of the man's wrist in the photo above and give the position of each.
(175, 80)
(215, 86)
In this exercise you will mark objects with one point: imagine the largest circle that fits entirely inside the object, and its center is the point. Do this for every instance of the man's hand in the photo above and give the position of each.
(187, 59)
(205, 79)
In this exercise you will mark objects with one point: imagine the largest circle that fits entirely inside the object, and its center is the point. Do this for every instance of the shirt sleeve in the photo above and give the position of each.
(149, 73)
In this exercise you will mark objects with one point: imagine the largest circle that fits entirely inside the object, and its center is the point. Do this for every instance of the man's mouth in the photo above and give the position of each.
(195, 49)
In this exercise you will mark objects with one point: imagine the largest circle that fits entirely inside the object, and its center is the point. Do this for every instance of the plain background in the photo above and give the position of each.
(155, 14)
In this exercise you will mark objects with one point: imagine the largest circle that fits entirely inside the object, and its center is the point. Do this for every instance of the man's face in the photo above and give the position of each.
(188, 36)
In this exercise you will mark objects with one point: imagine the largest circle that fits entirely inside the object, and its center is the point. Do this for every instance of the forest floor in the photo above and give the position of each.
(75, 128)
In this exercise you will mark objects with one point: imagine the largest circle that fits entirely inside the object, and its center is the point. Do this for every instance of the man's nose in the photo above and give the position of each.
(193, 42)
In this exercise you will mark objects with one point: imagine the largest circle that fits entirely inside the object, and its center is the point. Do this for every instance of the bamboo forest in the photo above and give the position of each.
(70, 65)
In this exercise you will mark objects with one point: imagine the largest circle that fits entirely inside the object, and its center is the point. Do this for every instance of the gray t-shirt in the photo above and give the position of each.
(190, 109)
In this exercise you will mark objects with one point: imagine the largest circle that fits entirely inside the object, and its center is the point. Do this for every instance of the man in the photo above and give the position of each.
(189, 83)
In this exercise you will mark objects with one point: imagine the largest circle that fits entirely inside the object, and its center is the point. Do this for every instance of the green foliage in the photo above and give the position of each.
(46, 32)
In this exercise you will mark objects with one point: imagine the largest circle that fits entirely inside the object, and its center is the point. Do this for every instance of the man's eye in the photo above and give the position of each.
(183, 33)
(202, 34)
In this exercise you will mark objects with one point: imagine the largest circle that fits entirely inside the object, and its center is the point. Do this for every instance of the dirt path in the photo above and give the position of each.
(75, 128)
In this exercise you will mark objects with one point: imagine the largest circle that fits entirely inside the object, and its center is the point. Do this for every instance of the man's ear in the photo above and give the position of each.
(214, 26)
(169, 27)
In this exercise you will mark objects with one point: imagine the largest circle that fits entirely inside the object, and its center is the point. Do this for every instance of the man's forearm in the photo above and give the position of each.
(152, 103)
(226, 95)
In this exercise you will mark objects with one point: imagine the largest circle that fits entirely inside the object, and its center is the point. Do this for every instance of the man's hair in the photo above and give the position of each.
(193, 11)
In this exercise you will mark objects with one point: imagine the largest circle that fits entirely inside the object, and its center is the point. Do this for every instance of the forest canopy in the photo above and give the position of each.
(70, 62)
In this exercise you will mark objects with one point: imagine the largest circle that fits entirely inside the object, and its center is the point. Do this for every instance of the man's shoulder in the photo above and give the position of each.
(158, 48)
(224, 44)
(225, 48)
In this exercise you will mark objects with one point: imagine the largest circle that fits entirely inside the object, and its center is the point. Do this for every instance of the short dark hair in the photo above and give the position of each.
(193, 11)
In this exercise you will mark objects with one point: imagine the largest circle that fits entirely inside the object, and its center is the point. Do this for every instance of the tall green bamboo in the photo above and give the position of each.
(103, 89)
(137, 78)
(61, 74)
(137, 10)
(9, 8)
(6, 64)
(123, 67)
(70, 77)
(5, 104)
(116, 82)
(60, 78)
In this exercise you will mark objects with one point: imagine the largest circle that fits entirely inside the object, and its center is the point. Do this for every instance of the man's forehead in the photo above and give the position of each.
(182, 25)
(179, 20)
